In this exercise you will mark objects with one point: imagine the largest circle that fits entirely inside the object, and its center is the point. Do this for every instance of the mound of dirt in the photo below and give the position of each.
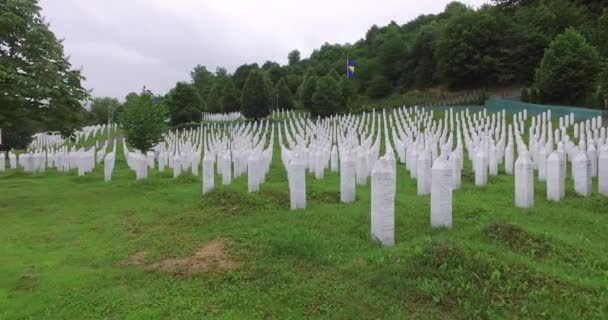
(212, 257)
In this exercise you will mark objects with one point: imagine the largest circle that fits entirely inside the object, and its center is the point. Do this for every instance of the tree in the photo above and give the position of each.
(143, 122)
(285, 97)
(255, 98)
(100, 107)
(230, 97)
(379, 87)
(309, 85)
(241, 73)
(472, 49)
(183, 103)
(569, 69)
(327, 99)
(294, 57)
(39, 88)
(202, 80)
(525, 96)
(214, 99)
(604, 86)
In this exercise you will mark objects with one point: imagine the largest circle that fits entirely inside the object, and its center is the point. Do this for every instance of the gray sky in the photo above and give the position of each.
(125, 44)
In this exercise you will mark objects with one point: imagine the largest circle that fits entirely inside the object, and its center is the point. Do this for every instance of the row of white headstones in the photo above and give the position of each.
(431, 149)
(48, 140)
(426, 147)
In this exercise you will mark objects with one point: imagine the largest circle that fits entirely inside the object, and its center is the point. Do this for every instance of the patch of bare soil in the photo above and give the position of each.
(136, 259)
(212, 257)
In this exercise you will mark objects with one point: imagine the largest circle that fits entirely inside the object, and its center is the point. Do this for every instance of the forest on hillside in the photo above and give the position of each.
(503, 43)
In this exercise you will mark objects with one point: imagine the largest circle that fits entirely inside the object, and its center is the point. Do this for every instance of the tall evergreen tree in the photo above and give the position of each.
(183, 103)
(285, 98)
(214, 99)
(230, 97)
(327, 99)
(308, 90)
(255, 98)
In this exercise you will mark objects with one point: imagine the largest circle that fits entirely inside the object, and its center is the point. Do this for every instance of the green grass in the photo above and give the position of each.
(64, 239)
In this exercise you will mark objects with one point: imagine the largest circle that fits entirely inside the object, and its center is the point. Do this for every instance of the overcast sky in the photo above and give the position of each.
(122, 45)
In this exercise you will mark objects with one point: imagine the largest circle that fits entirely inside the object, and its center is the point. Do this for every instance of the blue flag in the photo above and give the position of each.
(350, 69)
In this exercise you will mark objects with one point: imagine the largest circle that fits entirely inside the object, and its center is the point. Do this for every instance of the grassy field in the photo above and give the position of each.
(78, 248)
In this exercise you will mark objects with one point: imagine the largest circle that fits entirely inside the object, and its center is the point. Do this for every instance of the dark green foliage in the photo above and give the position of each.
(184, 104)
(202, 80)
(470, 51)
(293, 57)
(39, 89)
(241, 73)
(230, 97)
(525, 96)
(327, 99)
(102, 105)
(603, 82)
(143, 122)
(569, 69)
(214, 99)
(255, 96)
(379, 87)
(285, 97)
(534, 95)
(309, 86)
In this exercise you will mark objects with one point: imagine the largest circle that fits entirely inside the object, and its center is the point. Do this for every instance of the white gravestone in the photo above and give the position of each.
(581, 170)
(524, 181)
(441, 193)
(602, 176)
(383, 203)
(555, 178)
(456, 170)
(347, 180)
(481, 168)
(208, 174)
(424, 173)
(297, 185)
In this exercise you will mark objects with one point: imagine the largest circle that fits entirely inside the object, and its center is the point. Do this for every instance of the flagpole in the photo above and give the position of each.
(347, 67)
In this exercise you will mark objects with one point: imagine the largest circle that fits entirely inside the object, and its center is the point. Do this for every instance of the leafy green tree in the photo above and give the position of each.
(348, 91)
(392, 54)
(327, 99)
(214, 99)
(379, 87)
(525, 96)
(275, 73)
(285, 97)
(293, 57)
(101, 106)
(183, 103)
(603, 96)
(143, 122)
(601, 35)
(255, 98)
(470, 50)
(569, 68)
(309, 86)
(202, 80)
(534, 97)
(230, 97)
(242, 73)
(39, 90)
(423, 57)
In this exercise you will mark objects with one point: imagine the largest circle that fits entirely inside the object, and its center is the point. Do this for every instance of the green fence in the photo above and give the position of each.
(511, 107)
